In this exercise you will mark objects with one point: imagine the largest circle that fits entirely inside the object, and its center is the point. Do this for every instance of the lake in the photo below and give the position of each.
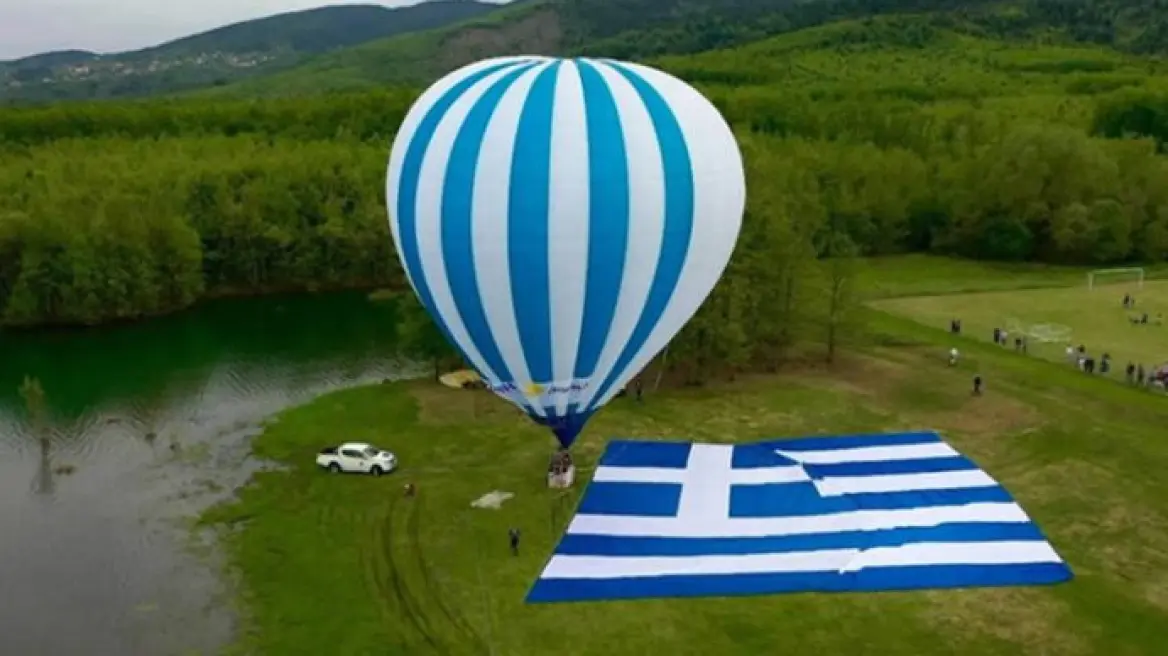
(150, 424)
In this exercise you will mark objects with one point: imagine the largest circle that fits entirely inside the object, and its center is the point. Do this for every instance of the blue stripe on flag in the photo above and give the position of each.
(575, 544)
(457, 228)
(608, 217)
(410, 177)
(628, 453)
(679, 210)
(854, 441)
(527, 225)
(887, 467)
(643, 499)
(752, 456)
(802, 500)
(887, 578)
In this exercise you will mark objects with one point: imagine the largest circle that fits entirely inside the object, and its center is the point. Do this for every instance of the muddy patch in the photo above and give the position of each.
(537, 33)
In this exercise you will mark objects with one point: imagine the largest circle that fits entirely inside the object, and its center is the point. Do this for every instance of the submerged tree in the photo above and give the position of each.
(34, 404)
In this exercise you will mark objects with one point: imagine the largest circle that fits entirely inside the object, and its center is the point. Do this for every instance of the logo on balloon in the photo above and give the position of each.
(549, 390)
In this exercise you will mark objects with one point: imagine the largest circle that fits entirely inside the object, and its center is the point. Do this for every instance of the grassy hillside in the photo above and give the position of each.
(641, 29)
(221, 55)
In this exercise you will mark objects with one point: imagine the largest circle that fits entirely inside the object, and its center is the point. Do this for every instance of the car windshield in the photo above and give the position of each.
(371, 452)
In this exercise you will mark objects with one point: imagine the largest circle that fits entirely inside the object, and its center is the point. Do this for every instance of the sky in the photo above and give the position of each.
(29, 27)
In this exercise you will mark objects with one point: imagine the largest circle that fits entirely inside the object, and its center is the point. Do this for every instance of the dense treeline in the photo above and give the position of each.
(860, 138)
(111, 228)
(372, 116)
(645, 28)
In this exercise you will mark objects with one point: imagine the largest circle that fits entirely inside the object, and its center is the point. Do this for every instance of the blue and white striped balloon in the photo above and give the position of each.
(561, 220)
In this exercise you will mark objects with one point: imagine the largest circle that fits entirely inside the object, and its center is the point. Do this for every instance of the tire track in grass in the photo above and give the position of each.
(395, 584)
(377, 572)
(464, 629)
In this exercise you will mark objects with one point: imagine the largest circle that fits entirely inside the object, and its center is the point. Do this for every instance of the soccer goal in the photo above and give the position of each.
(1116, 276)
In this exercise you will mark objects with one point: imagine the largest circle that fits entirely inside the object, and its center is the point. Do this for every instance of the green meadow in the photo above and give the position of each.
(347, 564)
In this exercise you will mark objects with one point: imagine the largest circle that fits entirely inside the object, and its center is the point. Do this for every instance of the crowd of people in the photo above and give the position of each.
(1136, 374)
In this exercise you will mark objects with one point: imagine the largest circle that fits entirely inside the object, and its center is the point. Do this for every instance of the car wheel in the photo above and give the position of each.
(377, 470)
(334, 468)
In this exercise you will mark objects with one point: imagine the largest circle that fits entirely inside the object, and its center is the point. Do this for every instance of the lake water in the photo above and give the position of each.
(150, 423)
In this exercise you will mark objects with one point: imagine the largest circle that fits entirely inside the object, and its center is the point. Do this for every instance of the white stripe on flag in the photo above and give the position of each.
(834, 486)
(858, 520)
(956, 553)
(831, 560)
(753, 476)
(872, 453)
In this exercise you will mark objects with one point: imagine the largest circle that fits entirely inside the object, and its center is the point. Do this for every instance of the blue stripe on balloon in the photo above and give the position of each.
(679, 206)
(409, 179)
(457, 227)
(608, 220)
(527, 225)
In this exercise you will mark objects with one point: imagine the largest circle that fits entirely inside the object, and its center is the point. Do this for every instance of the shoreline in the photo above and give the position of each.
(218, 295)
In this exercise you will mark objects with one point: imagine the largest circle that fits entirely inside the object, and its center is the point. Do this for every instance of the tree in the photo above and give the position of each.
(840, 295)
(420, 337)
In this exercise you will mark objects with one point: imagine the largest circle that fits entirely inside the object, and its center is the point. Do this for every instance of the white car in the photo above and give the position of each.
(357, 457)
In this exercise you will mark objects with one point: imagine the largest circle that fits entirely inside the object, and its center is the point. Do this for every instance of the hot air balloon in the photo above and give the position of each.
(561, 220)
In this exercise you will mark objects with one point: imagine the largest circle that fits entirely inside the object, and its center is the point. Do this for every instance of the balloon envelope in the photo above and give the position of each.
(561, 220)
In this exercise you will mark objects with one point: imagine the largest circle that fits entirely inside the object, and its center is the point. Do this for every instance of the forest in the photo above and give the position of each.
(861, 138)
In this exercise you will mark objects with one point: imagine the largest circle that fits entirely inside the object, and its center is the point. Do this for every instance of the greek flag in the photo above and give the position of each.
(868, 512)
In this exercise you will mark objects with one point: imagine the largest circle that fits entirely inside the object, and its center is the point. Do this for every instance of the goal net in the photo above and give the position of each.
(1045, 333)
(1129, 276)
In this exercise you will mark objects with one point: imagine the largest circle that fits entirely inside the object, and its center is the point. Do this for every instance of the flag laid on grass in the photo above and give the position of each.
(868, 512)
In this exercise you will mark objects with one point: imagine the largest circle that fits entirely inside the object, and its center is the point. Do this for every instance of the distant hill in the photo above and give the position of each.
(222, 55)
(640, 29)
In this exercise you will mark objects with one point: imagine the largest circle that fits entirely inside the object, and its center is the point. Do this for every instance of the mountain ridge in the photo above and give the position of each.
(223, 54)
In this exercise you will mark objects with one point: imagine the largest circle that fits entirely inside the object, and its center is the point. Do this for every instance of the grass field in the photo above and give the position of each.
(345, 565)
(1093, 318)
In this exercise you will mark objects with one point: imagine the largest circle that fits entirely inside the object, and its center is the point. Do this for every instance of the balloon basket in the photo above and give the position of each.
(562, 480)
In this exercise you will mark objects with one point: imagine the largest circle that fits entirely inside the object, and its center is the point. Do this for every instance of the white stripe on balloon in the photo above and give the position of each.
(568, 202)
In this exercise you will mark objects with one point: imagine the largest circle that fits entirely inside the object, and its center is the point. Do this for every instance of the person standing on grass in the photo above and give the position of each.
(1131, 373)
(513, 534)
(997, 335)
(953, 355)
(977, 385)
